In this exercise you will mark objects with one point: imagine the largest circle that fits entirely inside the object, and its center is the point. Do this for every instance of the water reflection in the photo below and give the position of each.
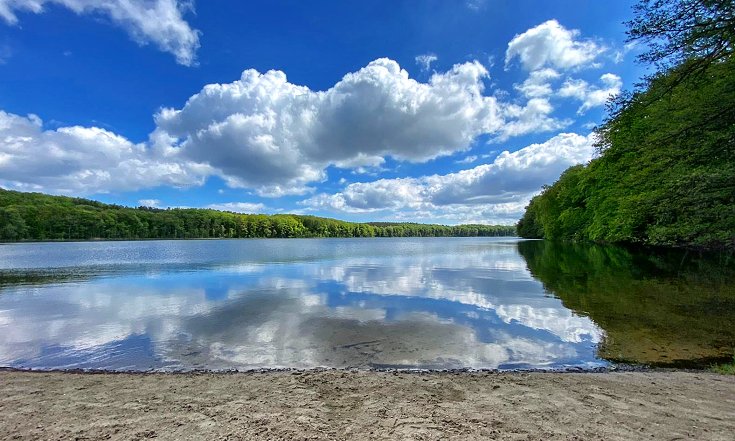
(429, 303)
(656, 307)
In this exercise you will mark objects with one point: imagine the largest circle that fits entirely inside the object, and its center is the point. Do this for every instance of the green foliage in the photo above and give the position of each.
(677, 31)
(665, 174)
(666, 170)
(724, 368)
(35, 216)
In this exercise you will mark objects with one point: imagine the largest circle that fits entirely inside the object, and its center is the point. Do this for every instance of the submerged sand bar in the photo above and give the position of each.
(367, 405)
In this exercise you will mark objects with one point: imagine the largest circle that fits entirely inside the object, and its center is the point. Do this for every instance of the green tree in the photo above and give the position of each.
(666, 170)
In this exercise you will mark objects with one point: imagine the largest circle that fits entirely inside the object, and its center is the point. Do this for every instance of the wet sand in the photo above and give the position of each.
(344, 405)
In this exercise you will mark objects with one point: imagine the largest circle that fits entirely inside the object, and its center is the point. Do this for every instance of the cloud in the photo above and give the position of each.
(619, 55)
(79, 160)
(535, 116)
(266, 133)
(154, 203)
(159, 22)
(377, 195)
(591, 96)
(538, 83)
(274, 137)
(488, 192)
(551, 45)
(467, 160)
(512, 174)
(238, 207)
(424, 61)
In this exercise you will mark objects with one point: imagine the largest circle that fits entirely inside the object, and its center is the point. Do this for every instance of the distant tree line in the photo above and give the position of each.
(666, 170)
(36, 216)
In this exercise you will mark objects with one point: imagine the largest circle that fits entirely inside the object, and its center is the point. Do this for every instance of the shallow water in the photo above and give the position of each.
(370, 303)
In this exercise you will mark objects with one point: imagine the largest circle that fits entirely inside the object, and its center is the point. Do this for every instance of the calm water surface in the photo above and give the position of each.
(411, 303)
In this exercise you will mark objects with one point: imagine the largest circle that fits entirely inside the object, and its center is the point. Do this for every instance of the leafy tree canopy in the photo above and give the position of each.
(35, 216)
(666, 170)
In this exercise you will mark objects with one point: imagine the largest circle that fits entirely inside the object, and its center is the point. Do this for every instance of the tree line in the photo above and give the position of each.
(665, 173)
(36, 216)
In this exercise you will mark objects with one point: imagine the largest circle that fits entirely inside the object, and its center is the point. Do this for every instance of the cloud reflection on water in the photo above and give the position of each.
(441, 303)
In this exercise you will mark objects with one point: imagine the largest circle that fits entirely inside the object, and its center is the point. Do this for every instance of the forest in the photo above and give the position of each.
(665, 170)
(36, 216)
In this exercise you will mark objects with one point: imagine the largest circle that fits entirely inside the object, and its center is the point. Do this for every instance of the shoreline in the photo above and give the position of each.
(353, 404)
(158, 239)
(417, 371)
(693, 366)
(706, 249)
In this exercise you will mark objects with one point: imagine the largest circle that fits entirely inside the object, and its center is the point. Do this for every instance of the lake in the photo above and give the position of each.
(434, 303)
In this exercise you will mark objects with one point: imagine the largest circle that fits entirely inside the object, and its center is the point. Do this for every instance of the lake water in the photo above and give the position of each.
(438, 303)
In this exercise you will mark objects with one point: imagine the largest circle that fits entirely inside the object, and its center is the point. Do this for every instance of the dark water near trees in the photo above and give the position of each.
(411, 303)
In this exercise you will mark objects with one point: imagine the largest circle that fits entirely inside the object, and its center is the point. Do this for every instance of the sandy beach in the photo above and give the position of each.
(347, 405)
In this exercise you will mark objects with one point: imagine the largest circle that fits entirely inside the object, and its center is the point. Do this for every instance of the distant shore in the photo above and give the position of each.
(6, 242)
(367, 405)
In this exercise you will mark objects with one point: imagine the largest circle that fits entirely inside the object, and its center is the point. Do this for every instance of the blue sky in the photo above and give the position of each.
(432, 111)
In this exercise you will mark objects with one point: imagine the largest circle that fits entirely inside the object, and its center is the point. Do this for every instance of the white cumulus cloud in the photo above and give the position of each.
(538, 83)
(266, 133)
(154, 203)
(487, 192)
(277, 138)
(551, 45)
(238, 207)
(535, 116)
(160, 22)
(591, 96)
(83, 160)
